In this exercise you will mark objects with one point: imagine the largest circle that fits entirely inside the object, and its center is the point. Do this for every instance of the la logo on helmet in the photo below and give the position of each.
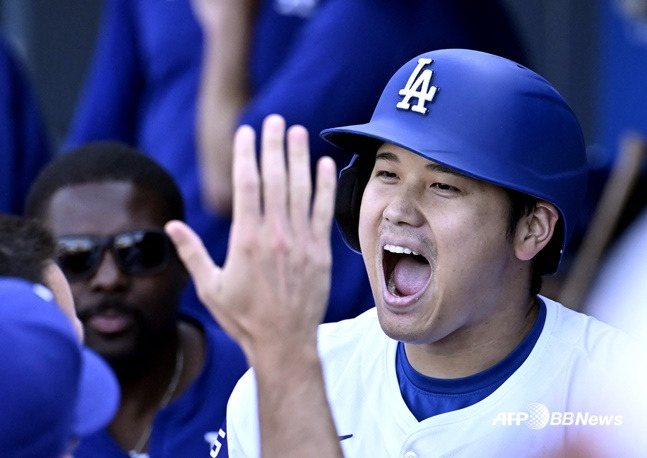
(418, 86)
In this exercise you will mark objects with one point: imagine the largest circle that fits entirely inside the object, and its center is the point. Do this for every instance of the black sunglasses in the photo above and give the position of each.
(140, 252)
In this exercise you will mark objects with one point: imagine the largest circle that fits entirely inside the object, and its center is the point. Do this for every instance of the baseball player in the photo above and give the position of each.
(463, 191)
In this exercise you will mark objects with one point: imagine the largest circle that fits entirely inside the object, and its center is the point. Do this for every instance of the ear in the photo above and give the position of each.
(535, 230)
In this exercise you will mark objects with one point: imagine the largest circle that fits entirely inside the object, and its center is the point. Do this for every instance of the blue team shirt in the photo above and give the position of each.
(186, 427)
(428, 396)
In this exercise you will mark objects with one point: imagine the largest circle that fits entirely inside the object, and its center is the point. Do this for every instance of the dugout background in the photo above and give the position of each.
(593, 51)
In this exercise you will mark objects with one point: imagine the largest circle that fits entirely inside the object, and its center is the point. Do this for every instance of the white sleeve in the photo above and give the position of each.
(243, 435)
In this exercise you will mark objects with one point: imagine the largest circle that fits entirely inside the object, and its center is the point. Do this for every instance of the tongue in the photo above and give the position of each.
(410, 276)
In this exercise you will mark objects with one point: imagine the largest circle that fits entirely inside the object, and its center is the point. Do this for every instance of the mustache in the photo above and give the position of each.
(116, 306)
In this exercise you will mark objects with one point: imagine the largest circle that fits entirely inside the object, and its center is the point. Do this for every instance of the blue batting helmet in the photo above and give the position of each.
(480, 114)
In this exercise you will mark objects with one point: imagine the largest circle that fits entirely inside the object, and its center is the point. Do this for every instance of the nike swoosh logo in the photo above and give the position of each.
(347, 436)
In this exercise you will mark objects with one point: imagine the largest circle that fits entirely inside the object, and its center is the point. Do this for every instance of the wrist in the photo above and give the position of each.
(283, 358)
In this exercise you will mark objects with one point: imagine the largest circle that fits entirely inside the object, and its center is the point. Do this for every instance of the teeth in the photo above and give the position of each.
(400, 250)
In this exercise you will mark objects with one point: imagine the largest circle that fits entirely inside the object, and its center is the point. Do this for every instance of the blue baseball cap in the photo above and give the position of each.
(52, 388)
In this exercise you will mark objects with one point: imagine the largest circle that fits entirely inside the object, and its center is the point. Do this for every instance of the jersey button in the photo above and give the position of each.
(410, 455)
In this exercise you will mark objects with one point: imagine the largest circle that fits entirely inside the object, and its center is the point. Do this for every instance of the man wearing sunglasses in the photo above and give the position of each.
(106, 204)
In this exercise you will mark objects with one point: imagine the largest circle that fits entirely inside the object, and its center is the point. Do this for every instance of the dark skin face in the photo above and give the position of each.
(126, 317)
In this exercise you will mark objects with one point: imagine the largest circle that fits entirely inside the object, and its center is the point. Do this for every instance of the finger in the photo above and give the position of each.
(273, 168)
(323, 208)
(246, 180)
(193, 255)
(300, 183)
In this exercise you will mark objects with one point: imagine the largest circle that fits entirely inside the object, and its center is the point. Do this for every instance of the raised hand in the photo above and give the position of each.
(272, 291)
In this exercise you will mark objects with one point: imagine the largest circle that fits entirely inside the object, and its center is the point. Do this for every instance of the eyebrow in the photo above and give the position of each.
(431, 166)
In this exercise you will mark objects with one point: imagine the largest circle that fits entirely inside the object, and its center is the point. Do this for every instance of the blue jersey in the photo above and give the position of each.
(317, 63)
(24, 144)
(184, 428)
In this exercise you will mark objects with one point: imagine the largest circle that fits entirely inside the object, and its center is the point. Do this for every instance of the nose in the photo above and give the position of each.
(403, 208)
(109, 276)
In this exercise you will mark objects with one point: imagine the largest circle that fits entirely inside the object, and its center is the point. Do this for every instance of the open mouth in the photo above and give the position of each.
(406, 271)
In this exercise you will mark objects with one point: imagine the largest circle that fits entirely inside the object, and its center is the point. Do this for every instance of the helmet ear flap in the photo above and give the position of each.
(350, 188)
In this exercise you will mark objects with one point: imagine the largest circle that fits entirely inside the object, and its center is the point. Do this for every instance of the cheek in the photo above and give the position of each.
(477, 241)
(166, 288)
(369, 221)
(363, 233)
(78, 290)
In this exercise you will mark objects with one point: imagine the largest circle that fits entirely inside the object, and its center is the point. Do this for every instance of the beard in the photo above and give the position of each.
(130, 351)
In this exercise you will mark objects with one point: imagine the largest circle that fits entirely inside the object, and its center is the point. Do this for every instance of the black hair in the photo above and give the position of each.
(101, 162)
(26, 248)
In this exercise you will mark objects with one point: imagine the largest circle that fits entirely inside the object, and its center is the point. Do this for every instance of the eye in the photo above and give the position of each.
(385, 174)
(444, 187)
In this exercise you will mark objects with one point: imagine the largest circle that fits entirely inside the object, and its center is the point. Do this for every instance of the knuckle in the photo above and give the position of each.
(248, 184)
(278, 242)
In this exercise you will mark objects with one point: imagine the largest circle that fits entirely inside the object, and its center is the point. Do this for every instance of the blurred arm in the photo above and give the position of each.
(223, 92)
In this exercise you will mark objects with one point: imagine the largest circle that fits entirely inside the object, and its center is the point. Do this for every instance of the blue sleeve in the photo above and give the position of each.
(107, 105)
(24, 141)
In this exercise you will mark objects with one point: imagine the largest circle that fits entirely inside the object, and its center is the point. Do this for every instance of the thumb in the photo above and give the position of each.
(191, 250)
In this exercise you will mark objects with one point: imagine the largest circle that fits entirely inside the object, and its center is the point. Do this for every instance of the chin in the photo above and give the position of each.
(398, 327)
(409, 328)
(112, 350)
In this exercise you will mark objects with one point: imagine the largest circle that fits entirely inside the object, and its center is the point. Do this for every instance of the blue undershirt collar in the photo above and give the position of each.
(428, 396)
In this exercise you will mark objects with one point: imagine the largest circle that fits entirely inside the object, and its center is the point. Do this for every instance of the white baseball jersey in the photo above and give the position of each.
(570, 389)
